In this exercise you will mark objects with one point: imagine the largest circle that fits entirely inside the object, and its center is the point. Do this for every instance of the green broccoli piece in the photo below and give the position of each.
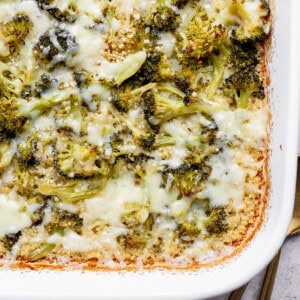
(188, 179)
(74, 160)
(180, 3)
(123, 99)
(38, 215)
(163, 17)
(40, 252)
(44, 84)
(68, 15)
(26, 152)
(14, 32)
(162, 140)
(54, 46)
(138, 234)
(187, 230)
(254, 25)
(36, 107)
(73, 191)
(165, 109)
(243, 55)
(148, 71)
(143, 135)
(216, 222)
(219, 61)
(11, 123)
(241, 86)
(62, 220)
(10, 239)
(202, 38)
(82, 78)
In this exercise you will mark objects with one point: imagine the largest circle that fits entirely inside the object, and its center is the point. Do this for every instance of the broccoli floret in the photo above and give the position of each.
(180, 3)
(10, 239)
(74, 160)
(142, 134)
(202, 38)
(166, 109)
(40, 252)
(241, 86)
(67, 15)
(254, 25)
(26, 152)
(163, 17)
(219, 61)
(187, 230)
(82, 78)
(162, 140)
(11, 123)
(138, 235)
(216, 222)
(243, 55)
(73, 191)
(43, 85)
(62, 220)
(38, 215)
(123, 99)
(54, 46)
(36, 107)
(147, 72)
(188, 179)
(14, 32)
(184, 85)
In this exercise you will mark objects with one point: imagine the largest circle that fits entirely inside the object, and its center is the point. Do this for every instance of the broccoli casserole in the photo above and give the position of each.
(133, 133)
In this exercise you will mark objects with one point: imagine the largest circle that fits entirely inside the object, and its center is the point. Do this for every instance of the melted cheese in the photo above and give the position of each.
(13, 214)
(115, 200)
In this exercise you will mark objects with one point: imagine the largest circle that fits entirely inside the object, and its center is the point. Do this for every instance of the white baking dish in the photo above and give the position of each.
(284, 67)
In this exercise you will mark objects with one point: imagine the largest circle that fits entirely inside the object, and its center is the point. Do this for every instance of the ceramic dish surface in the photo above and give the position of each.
(206, 282)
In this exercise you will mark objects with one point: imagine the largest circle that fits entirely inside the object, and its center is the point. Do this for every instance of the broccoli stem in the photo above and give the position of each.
(219, 63)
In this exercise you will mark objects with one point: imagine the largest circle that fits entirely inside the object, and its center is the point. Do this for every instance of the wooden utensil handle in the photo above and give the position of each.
(238, 293)
(270, 276)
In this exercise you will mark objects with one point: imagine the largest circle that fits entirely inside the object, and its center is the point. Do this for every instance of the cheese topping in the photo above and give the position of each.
(131, 132)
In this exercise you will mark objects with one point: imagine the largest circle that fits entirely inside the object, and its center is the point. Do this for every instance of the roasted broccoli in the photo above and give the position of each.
(54, 46)
(73, 191)
(11, 123)
(188, 179)
(201, 39)
(219, 61)
(26, 152)
(180, 3)
(243, 55)
(148, 71)
(242, 85)
(43, 84)
(10, 239)
(187, 230)
(138, 233)
(40, 252)
(14, 32)
(38, 106)
(62, 220)
(38, 215)
(165, 109)
(216, 220)
(123, 99)
(254, 23)
(67, 15)
(75, 160)
(163, 140)
(163, 17)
